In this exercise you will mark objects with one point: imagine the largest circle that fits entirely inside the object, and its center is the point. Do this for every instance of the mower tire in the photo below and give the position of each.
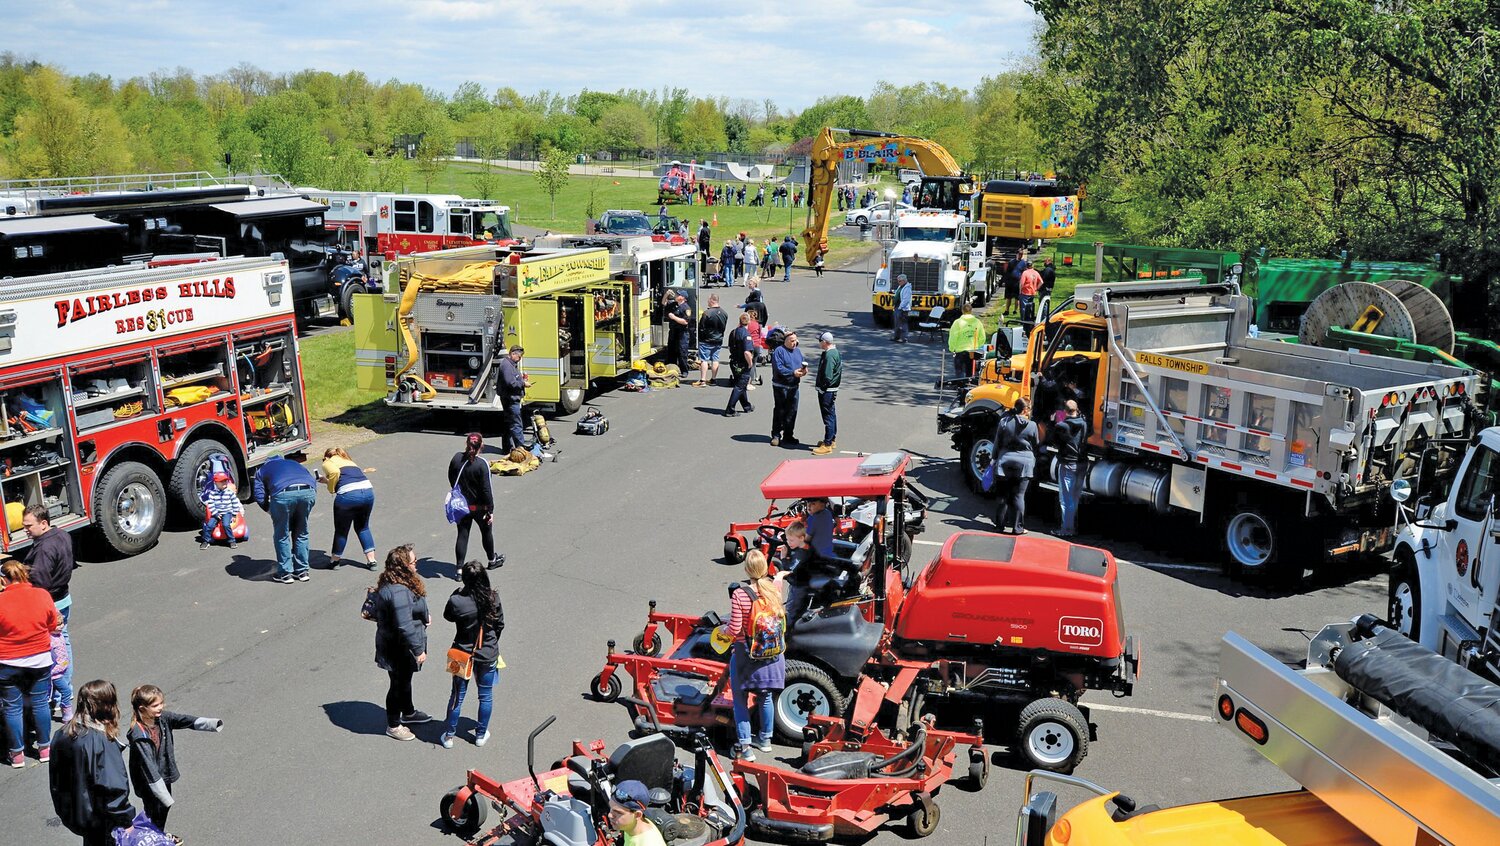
(809, 690)
(640, 646)
(734, 553)
(923, 820)
(469, 817)
(979, 769)
(1052, 735)
(611, 690)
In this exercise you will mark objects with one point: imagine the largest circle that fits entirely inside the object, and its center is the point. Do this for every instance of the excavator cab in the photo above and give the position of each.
(948, 193)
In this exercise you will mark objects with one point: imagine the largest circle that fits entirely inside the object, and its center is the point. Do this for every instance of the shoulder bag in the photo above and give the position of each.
(460, 662)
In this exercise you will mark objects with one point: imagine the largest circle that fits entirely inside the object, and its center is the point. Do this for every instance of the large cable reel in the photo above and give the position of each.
(1393, 308)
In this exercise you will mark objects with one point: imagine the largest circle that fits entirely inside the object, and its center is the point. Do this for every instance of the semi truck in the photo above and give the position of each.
(1392, 745)
(584, 308)
(1444, 588)
(944, 257)
(1191, 413)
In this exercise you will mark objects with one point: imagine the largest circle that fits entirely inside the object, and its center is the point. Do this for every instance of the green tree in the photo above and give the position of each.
(552, 175)
(843, 111)
(58, 135)
(703, 129)
(389, 171)
(348, 169)
(468, 101)
(591, 105)
(625, 126)
(285, 126)
(434, 149)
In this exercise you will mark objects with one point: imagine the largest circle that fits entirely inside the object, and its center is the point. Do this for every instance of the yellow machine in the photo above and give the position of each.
(1381, 763)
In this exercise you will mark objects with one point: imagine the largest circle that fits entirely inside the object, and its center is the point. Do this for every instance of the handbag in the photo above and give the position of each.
(460, 662)
(987, 478)
(456, 506)
(367, 610)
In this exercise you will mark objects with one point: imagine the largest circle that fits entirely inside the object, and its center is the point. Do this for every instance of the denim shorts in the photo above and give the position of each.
(709, 352)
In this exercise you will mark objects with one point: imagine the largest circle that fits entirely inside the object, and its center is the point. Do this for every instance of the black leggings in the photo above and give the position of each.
(1010, 510)
(486, 537)
(398, 698)
(156, 811)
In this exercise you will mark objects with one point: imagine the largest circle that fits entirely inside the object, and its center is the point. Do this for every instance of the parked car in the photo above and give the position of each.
(624, 222)
(877, 213)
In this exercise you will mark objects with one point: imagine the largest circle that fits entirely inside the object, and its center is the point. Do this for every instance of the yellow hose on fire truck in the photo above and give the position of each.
(475, 278)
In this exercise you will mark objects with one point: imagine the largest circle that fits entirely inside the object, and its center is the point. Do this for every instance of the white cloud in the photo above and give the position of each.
(790, 52)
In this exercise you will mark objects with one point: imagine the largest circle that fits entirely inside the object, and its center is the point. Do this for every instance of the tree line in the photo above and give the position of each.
(348, 132)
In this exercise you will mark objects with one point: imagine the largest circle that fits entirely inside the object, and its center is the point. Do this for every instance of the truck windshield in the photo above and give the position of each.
(627, 224)
(491, 225)
(924, 233)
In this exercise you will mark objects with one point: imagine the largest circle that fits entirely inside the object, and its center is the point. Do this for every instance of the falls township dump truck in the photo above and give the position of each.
(1189, 412)
(1393, 746)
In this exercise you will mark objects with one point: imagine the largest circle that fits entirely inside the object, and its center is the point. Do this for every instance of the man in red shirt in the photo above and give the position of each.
(1031, 283)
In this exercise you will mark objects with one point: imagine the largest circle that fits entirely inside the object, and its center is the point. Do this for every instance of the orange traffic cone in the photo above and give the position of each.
(716, 219)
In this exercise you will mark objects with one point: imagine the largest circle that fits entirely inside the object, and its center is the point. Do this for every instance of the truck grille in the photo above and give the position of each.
(925, 275)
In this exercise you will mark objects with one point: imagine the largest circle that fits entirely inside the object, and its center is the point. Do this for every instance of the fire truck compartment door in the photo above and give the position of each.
(538, 334)
(375, 338)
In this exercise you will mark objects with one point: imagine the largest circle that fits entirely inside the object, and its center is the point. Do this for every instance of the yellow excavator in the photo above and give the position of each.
(1015, 212)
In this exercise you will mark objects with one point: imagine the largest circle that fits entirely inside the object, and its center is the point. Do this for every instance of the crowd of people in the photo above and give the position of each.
(729, 194)
(741, 258)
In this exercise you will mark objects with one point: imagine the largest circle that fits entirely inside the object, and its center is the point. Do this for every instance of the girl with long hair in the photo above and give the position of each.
(153, 752)
(749, 678)
(475, 609)
(471, 473)
(90, 787)
(401, 621)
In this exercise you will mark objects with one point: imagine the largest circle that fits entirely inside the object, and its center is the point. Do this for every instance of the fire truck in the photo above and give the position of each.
(121, 390)
(402, 224)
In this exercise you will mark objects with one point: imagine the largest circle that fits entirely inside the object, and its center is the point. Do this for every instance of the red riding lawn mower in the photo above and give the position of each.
(1014, 627)
(568, 805)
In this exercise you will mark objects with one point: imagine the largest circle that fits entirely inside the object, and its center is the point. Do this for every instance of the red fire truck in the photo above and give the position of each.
(121, 390)
(401, 224)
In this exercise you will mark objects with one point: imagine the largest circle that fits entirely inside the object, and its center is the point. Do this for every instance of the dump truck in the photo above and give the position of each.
(1392, 745)
(1189, 412)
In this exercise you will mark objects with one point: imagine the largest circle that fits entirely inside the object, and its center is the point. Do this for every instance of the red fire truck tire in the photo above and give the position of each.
(130, 507)
(191, 471)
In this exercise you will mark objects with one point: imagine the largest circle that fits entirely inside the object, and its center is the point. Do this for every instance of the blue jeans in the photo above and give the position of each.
(353, 508)
(1069, 491)
(900, 317)
(727, 271)
(217, 520)
(289, 513)
(826, 399)
(1028, 308)
(764, 711)
(62, 686)
(486, 683)
(786, 264)
(26, 689)
(514, 433)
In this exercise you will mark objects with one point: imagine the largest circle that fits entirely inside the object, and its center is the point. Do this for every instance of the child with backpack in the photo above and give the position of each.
(757, 665)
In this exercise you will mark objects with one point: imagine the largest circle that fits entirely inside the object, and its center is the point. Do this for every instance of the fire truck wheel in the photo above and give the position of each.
(924, 820)
(346, 300)
(569, 400)
(611, 690)
(191, 472)
(470, 815)
(1404, 596)
(809, 690)
(130, 507)
(1053, 735)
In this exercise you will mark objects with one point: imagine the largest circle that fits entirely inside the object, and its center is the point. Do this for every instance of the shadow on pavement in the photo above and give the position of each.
(250, 569)
(429, 568)
(358, 717)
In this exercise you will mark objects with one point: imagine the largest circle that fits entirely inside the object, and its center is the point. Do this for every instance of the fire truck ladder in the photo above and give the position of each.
(1398, 740)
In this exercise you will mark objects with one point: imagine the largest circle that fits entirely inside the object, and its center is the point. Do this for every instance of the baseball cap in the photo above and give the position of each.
(221, 477)
(825, 338)
(631, 794)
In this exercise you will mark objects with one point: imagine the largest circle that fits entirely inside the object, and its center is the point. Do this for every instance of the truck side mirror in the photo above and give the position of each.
(1401, 490)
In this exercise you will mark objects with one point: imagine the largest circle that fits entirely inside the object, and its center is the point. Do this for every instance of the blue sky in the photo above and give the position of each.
(792, 52)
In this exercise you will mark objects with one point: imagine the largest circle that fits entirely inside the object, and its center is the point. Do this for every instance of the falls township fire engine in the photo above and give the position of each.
(401, 224)
(122, 390)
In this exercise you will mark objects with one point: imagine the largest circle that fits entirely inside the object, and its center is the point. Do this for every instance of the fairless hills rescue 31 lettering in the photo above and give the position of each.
(74, 310)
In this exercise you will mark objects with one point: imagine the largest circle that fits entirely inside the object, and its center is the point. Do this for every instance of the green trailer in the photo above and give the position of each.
(1283, 288)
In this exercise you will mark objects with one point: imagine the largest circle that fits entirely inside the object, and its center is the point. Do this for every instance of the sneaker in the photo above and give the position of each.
(763, 745)
(747, 409)
(728, 413)
(791, 442)
(775, 441)
(482, 739)
(44, 754)
(67, 713)
(700, 384)
(17, 759)
(372, 565)
(56, 713)
(744, 754)
(302, 577)
(233, 544)
(400, 733)
(446, 740)
(203, 544)
(416, 717)
(497, 562)
(282, 579)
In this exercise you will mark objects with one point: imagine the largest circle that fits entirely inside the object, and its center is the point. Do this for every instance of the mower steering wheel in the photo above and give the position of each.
(774, 535)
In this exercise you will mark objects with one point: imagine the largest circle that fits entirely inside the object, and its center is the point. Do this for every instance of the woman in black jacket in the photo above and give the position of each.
(1015, 457)
(90, 788)
(153, 752)
(401, 622)
(475, 608)
(471, 473)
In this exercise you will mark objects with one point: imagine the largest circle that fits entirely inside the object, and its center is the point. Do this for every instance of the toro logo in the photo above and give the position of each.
(1080, 631)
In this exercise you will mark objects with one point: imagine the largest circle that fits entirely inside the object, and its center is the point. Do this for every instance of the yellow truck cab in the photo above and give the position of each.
(1391, 742)
(582, 312)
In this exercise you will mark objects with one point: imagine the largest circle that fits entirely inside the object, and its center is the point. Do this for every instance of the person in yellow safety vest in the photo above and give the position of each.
(966, 341)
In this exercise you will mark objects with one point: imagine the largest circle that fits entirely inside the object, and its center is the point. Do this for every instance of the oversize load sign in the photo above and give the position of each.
(1166, 362)
(149, 308)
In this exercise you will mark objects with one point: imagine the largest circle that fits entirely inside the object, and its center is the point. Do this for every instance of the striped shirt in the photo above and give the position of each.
(222, 501)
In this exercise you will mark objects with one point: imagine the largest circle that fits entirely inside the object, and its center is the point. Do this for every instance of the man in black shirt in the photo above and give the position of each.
(678, 315)
(1070, 436)
(711, 327)
(741, 360)
(510, 387)
(705, 241)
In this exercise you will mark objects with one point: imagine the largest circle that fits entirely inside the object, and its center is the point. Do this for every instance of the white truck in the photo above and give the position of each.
(945, 258)
(1444, 589)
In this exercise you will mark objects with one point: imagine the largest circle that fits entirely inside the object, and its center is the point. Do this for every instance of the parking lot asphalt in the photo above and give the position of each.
(634, 515)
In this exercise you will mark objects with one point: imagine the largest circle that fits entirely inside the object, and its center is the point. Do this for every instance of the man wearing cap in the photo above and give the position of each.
(677, 337)
(286, 490)
(627, 814)
(221, 504)
(510, 387)
(830, 376)
(903, 308)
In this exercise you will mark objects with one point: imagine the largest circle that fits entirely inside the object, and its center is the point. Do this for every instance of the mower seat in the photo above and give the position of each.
(840, 766)
(567, 822)
(648, 760)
